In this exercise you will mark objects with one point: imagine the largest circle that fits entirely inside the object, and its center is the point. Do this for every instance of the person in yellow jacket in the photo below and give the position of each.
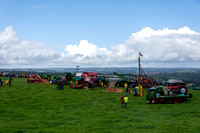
(125, 100)
(6, 82)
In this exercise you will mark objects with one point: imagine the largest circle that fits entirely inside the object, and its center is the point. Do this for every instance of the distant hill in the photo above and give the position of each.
(189, 75)
(103, 70)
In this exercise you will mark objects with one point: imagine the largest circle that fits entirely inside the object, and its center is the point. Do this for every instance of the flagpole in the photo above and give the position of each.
(139, 70)
(140, 86)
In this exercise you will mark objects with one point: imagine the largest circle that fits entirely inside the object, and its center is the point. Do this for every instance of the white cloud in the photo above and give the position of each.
(170, 48)
(16, 52)
(87, 53)
(180, 45)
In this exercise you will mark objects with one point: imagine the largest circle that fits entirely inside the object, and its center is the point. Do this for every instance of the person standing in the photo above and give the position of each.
(11, 79)
(125, 101)
(127, 89)
(92, 84)
(134, 92)
(6, 82)
(62, 83)
(59, 85)
(0, 82)
(10, 82)
(122, 101)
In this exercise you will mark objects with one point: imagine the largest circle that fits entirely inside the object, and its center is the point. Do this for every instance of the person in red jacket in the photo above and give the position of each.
(122, 101)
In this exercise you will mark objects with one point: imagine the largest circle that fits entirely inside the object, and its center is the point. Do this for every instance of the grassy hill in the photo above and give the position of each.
(26, 107)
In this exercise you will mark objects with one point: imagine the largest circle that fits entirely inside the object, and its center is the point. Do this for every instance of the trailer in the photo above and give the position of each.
(36, 79)
(159, 95)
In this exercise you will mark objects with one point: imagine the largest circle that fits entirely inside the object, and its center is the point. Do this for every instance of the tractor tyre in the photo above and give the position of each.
(95, 83)
(125, 84)
(183, 90)
(107, 83)
(117, 84)
(153, 101)
(101, 84)
(176, 101)
(170, 93)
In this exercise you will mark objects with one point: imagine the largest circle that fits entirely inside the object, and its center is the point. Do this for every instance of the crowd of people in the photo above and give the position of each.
(7, 82)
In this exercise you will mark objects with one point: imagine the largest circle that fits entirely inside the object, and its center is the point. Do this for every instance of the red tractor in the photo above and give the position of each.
(176, 87)
(84, 79)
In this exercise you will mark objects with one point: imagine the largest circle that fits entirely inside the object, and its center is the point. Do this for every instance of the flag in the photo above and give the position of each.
(140, 54)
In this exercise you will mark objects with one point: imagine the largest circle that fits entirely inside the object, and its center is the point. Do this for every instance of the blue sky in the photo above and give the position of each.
(103, 23)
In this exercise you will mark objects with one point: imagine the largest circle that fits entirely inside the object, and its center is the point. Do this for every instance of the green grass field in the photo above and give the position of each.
(26, 107)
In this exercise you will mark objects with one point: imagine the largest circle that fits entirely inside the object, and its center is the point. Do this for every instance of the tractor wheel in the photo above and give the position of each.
(183, 90)
(170, 93)
(176, 101)
(107, 83)
(125, 84)
(117, 84)
(95, 83)
(101, 83)
(153, 101)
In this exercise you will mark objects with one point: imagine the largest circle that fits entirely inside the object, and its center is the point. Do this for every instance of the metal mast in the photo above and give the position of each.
(140, 86)
(139, 70)
(77, 69)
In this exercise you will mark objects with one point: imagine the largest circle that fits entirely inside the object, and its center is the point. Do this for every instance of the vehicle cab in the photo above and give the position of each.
(153, 93)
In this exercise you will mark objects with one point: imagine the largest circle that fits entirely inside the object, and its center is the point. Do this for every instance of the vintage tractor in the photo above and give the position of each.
(176, 87)
(88, 79)
(102, 81)
(125, 80)
(68, 77)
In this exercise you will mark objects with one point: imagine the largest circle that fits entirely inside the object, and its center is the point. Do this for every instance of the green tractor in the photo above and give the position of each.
(124, 80)
(69, 77)
(102, 81)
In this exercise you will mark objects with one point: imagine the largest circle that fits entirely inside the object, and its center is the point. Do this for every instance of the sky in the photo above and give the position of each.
(99, 33)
